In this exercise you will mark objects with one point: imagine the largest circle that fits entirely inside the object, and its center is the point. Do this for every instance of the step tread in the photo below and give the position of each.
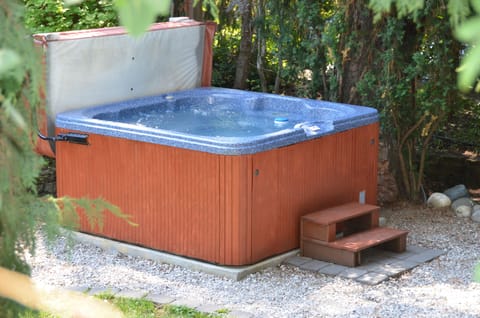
(340, 213)
(363, 240)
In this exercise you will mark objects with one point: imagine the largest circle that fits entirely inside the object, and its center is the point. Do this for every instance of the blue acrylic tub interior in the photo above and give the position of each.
(218, 120)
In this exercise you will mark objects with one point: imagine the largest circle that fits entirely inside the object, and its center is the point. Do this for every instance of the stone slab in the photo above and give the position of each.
(209, 308)
(372, 278)
(425, 256)
(188, 302)
(377, 264)
(297, 260)
(160, 299)
(313, 265)
(333, 269)
(352, 273)
(131, 293)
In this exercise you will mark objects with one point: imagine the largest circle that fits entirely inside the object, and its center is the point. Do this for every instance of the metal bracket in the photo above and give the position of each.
(73, 138)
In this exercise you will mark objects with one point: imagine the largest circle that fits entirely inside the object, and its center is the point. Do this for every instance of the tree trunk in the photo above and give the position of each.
(356, 48)
(245, 49)
(193, 12)
(261, 44)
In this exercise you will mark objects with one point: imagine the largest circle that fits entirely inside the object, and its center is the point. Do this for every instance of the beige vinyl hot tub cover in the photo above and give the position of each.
(93, 67)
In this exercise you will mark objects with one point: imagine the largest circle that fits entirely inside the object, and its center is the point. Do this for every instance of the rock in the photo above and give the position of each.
(463, 211)
(456, 192)
(476, 208)
(476, 214)
(438, 200)
(460, 202)
(463, 207)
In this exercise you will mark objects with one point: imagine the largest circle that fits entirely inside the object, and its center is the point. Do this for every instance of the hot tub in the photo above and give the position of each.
(216, 174)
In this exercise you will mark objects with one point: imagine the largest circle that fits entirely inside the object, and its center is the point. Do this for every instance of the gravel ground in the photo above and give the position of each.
(440, 288)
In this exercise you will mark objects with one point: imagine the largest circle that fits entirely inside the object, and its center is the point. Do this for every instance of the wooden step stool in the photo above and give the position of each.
(341, 233)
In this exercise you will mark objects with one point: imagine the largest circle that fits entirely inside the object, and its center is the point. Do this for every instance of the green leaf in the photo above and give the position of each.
(379, 7)
(475, 4)
(138, 15)
(8, 60)
(406, 7)
(468, 31)
(469, 69)
(14, 115)
(458, 11)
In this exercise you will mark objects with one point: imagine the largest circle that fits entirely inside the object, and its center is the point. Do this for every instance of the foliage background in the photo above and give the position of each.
(400, 58)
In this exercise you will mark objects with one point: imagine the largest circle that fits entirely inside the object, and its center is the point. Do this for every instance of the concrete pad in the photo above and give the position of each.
(425, 256)
(297, 260)
(231, 272)
(377, 264)
(333, 269)
(372, 278)
(131, 294)
(159, 299)
(187, 302)
(78, 289)
(352, 273)
(211, 309)
(313, 265)
(95, 291)
(393, 269)
(416, 249)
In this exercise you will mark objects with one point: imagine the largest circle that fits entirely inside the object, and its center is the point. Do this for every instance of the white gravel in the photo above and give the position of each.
(440, 288)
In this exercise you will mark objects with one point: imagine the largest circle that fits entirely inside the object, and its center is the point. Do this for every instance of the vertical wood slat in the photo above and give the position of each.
(213, 207)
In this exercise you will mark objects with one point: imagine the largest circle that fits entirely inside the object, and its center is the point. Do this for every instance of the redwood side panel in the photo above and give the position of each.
(232, 210)
(235, 209)
(173, 194)
(309, 176)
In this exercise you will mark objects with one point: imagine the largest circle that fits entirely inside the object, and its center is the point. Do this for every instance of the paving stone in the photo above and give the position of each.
(209, 308)
(95, 291)
(372, 278)
(314, 265)
(403, 255)
(79, 289)
(425, 256)
(405, 264)
(372, 266)
(239, 314)
(377, 264)
(160, 299)
(393, 269)
(131, 294)
(333, 269)
(192, 303)
(297, 260)
(352, 273)
(416, 249)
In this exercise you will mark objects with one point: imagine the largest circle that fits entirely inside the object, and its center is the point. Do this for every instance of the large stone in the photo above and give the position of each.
(462, 207)
(456, 192)
(476, 208)
(438, 200)
(462, 201)
(476, 214)
(463, 211)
